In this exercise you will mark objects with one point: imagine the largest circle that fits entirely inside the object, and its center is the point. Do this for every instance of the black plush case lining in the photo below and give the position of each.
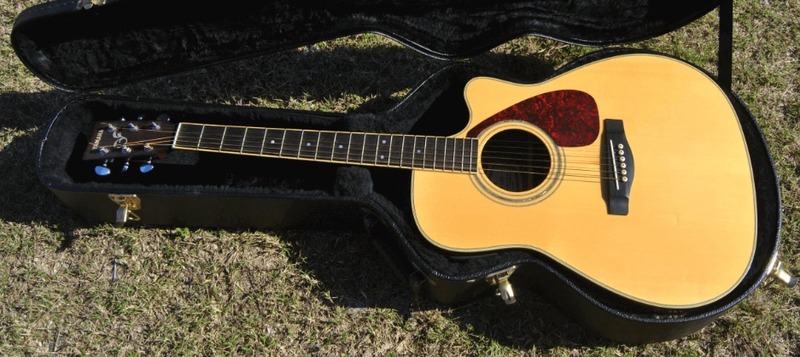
(123, 41)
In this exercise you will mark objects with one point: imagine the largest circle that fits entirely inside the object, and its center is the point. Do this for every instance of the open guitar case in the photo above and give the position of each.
(87, 46)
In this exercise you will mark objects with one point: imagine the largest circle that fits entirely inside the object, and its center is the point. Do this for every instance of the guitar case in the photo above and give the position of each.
(89, 46)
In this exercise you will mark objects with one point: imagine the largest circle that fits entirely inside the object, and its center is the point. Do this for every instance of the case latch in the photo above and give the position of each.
(780, 274)
(504, 289)
(127, 204)
(88, 4)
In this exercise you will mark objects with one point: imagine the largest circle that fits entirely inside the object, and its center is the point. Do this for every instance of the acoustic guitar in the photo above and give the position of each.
(632, 171)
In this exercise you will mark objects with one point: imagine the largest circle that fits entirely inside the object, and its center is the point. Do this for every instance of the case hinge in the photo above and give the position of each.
(88, 4)
(504, 289)
(127, 204)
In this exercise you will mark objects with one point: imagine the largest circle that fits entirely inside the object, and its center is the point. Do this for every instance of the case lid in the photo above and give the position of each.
(93, 44)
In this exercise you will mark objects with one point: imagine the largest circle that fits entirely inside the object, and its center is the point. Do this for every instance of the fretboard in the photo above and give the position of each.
(356, 148)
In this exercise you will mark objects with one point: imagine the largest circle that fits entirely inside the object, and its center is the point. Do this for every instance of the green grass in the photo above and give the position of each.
(71, 288)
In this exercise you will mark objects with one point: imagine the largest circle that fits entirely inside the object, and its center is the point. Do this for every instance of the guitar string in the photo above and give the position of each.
(541, 155)
(243, 138)
(523, 155)
(295, 141)
(442, 157)
(508, 168)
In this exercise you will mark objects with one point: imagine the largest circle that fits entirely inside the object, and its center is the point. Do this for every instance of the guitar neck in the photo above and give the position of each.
(355, 148)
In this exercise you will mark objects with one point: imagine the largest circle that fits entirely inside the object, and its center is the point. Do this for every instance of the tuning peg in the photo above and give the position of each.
(102, 170)
(147, 166)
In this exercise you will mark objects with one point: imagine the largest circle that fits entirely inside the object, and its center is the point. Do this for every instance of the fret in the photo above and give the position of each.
(290, 147)
(427, 152)
(356, 147)
(383, 149)
(232, 138)
(300, 142)
(283, 137)
(224, 130)
(404, 149)
(341, 145)
(200, 137)
(435, 151)
(473, 156)
(370, 149)
(325, 145)
(396, 150)
(449, 149)
(263, 142)
(272, 142)
(458, 155)
(441, 153)
(241, 147)
(467, 155)
(308, 144)
(211, 138)
(188, 135)
(253, 140)
(418, 158)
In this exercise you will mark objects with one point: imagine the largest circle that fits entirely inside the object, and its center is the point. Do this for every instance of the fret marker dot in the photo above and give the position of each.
(308, 144)
(419, 151)
(383, 142)
(382, 157)
(341, 146)
(272, 141)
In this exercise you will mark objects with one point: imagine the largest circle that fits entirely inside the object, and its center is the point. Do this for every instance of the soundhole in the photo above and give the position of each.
(516, 160)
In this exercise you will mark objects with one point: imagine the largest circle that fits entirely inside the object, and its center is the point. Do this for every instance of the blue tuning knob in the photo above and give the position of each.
(102, 170)
(147, 167)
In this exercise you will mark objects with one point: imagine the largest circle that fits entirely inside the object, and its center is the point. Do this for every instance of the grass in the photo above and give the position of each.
(71, 288)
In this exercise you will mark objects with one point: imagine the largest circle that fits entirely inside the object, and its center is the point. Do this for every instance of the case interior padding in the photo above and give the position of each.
(123, 41)
(285, 193)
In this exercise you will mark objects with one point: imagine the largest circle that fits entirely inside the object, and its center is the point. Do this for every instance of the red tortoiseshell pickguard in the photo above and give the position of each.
(569, 116)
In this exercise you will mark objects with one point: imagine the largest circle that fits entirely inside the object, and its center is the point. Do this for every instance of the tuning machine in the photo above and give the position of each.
(147, 166)
(102, 170)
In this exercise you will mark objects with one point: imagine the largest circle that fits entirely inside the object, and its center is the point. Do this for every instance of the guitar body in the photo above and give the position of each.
(689, 234)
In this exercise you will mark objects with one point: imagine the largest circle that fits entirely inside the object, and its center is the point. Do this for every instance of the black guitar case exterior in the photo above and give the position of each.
(104, 44)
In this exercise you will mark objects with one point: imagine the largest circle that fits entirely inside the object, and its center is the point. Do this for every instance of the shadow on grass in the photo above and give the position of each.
(353, 275)
(23, 198)
(351, 272)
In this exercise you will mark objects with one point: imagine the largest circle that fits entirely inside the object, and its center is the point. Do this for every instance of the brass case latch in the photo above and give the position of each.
(780, 274)
(88, 4)
(504, 289)
(127, 204)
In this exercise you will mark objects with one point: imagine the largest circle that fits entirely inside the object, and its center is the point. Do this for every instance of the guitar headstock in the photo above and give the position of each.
(128, 139)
